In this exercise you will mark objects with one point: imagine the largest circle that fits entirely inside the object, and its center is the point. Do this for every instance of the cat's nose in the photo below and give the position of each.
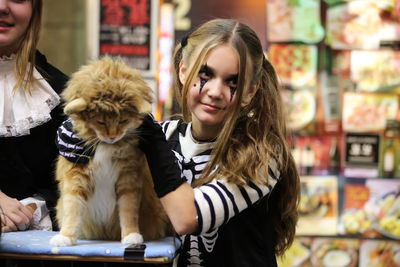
(111, 139)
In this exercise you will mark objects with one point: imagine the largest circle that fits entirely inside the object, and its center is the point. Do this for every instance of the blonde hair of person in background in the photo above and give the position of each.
(26, 50)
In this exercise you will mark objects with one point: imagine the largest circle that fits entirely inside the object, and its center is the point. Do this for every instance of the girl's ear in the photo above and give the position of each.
(249, 96)
(182, 72)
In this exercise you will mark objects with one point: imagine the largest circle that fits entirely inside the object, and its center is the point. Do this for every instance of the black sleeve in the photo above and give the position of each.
(167, 175)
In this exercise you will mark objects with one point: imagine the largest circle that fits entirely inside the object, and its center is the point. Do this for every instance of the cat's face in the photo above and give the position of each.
(112, 127)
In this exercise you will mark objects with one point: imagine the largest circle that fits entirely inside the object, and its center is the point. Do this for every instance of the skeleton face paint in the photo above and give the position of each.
(233, 90)
(202, 83)
(207, 73)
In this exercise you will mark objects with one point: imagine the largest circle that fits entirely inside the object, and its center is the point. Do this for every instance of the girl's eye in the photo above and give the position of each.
(232, 82)
(205, 73)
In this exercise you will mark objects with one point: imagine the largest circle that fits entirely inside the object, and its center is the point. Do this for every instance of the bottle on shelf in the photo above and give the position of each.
(388, 159)
(389, 152)
(307, 159)
(334, 158)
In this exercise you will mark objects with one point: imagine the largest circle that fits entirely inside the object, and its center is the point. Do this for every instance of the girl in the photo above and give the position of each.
(29, 118)
(233, 193)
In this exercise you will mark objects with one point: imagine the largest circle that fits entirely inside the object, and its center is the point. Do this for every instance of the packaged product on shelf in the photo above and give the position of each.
(296, 65)
(376, 71)
(318, 206)
(331, 102)
(372, 209)
(360, 24)
(317, 155)
(300, 106)
(298, 255)
(368, 112)
(353, 218)
(361, 155)
(334, 164)
(390, 151)
(289, 21)
(335, 252)
(379, 253)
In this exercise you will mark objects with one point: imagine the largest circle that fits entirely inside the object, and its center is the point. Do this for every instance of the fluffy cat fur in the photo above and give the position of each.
(111, 197)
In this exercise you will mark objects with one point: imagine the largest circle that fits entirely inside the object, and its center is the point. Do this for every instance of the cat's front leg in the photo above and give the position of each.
(75, 188)
(73, 208)
(129, 194)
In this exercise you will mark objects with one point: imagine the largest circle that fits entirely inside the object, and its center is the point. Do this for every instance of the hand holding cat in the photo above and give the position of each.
(161, 159)
(15, 216)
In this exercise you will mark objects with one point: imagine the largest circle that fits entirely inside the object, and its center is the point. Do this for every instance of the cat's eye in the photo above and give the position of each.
(100, 122)
(123, 121)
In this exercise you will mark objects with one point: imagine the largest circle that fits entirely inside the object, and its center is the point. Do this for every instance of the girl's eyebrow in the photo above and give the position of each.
(232, 77)
(206, 68)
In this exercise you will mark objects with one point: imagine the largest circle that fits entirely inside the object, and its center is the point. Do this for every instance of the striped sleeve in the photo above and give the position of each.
(218, 201)
(70, 145)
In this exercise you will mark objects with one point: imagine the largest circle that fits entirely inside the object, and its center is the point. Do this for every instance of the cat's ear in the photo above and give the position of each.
(145, 107)
(75, 106)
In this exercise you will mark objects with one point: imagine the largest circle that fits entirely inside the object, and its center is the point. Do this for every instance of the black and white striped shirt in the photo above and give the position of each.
(216, 202)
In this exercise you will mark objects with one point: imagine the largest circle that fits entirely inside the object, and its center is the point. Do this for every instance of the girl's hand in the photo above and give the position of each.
(14, 215)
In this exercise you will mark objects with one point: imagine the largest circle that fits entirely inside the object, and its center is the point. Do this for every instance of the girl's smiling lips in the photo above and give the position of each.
(209, 107)
(5, 26)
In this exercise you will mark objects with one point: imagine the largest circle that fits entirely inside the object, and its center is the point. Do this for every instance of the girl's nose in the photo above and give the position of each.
(215, 88)
(4, 9)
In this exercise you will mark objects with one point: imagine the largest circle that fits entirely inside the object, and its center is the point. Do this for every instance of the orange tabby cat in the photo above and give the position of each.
(112, 196)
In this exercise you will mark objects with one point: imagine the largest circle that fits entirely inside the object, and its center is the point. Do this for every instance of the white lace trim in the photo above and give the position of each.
(20, 111)
(7, 58)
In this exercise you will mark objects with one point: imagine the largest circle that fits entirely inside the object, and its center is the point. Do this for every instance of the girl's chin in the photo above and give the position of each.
(212, 122)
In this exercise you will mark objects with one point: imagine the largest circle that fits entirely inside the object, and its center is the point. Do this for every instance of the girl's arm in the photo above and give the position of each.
(207, 207)
(200, 209)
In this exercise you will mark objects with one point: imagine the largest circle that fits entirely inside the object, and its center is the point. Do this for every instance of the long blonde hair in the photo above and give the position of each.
(27, 49)
(253, 133)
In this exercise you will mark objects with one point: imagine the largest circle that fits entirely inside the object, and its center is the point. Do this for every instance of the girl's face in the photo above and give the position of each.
(15, 16)
(213, 92)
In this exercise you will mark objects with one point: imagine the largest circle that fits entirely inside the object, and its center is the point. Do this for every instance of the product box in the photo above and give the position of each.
(301, 109)
(335, 252)
(361, 155)
(318, 155)
(368, 112)
(379, 253)
(359, 24)
(318, 206)
(289, 21)
(298, 255)
(296, 65)
(371, 208)
(376, 71)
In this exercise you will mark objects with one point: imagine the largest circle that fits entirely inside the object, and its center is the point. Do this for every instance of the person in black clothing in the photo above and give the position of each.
(224, 172)
(30, 114)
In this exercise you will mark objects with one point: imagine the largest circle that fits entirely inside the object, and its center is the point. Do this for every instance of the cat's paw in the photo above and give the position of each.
(61, 241)
(134, 238)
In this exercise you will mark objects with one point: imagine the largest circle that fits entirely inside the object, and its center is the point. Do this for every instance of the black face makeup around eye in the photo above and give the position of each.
(205, 72)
